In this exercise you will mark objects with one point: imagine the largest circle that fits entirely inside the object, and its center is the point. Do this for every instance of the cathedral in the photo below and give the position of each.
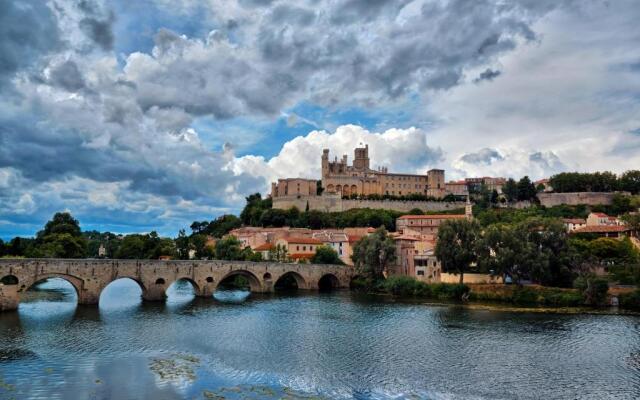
(338, 177)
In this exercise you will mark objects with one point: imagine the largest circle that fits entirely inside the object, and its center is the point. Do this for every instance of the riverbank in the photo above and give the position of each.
(530, 296)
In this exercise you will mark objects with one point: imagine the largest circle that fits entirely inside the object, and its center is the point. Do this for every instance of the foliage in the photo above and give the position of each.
(279, 253)
(630, 300)
(146, 246)
(456, 245)
(372, 254)
(528, 295)
(228, 248)
(630, 181)
(526, 190)
(326, 255)
(60, 238)
(218, 227)
(510, 190)
(632, 220)
(254, 208)
(594, 290)
(406, 286)
(567, 182)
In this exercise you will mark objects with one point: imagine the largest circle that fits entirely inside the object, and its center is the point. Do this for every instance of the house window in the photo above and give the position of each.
(298, 248)
(304, 248)
(420, 273)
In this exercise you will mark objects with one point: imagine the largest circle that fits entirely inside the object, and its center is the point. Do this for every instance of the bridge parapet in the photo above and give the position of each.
(89, 277)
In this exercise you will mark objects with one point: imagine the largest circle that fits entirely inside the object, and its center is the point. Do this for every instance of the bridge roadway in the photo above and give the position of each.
(89, 277)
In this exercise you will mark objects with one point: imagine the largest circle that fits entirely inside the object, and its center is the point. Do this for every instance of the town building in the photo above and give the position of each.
(424, 224)
(338, 177)
(299, 248)
(297, 187)
(571, 224)
(599, 219)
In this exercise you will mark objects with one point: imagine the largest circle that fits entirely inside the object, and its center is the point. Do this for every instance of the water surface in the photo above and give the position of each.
(337, 345)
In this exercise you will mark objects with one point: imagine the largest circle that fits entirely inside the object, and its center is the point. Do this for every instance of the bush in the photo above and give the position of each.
(630, 300)
(409, 287)
(525, 296)
(594, 290)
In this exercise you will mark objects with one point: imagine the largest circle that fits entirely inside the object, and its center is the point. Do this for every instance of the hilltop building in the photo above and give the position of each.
(360, 179)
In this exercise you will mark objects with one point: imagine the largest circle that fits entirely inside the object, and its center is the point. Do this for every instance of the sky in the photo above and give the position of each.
(150, 114)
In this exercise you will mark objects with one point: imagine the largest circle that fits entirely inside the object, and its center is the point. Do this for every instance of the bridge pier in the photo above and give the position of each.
(9, 298)
(154, 293)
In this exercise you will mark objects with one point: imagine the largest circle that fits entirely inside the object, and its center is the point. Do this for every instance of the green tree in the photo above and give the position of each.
(326, 255)
(455, 248)
(278, 253)
(182, 245)
(372, 255)
(510, 190)
(229, 248)
(222, 225)
(132, 247)
(203, 251)
(630, 181)
(60, 238)
(526, 189)
(254, 208)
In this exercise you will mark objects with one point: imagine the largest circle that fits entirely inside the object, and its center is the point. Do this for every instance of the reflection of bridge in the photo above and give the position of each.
(90, 277)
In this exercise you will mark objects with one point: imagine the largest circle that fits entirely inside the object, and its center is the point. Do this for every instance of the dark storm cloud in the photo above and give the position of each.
(484, 156)
(367, 53)
(67, 76)
(100, 31)
(28, 29)
(487, 75)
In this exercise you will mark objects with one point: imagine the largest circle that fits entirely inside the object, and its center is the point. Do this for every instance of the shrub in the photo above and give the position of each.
(594, 290)
(410, 287)
(630, 300)
(525, 296)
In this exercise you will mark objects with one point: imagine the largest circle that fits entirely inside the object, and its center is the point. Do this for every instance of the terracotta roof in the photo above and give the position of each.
(407, 237)
(435, 216)
(600, 215)
(297, 256)
(602, 229)
(574, 221)
(302, 240)
(354, 238)
(264, 247)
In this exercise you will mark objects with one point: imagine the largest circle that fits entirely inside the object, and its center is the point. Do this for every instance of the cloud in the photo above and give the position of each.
(401, 150)
(487, 75)
(484, 156)
(28, 30)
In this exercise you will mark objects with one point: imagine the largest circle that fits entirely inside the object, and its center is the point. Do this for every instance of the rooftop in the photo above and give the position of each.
(434, 216)
(602, 229)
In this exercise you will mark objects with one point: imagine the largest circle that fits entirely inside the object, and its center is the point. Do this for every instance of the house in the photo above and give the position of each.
(571, 224)
(299, 248)
(599, 219)
(338, 241)
(265, 250)
(424, 224)
(614, 231)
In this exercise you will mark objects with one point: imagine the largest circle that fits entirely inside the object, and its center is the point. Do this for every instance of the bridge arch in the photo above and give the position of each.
(288, 278)
(104, 289)
(254, 283)
(76, 282)
(194, 284)
(328, 282)
(9, 280)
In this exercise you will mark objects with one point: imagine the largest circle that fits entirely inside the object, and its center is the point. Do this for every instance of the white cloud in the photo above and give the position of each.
(402, 150)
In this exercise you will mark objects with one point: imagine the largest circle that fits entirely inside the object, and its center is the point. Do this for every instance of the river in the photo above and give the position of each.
(336, 345)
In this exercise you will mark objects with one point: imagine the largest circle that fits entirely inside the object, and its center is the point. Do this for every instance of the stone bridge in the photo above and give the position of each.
(90, 277)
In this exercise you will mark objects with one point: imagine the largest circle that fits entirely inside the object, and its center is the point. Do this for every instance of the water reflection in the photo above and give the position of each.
(338, 345)
(122, 295)
(231, 296)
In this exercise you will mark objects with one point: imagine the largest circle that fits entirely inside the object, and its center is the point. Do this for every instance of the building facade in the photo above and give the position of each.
(360, 179)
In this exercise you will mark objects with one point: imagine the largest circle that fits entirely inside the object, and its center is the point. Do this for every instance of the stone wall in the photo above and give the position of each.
(8, 297)
(470, 278)
(335, 203)
(574, 199)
